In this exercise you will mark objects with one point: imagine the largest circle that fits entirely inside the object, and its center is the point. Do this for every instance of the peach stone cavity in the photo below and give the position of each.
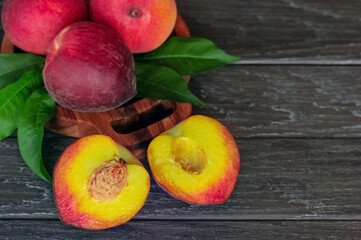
(108, 180)
(189, 155)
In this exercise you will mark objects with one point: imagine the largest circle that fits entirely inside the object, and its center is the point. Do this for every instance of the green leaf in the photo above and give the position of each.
(13, 98)
(188, 56)
(13, 66)
(160, 82)
(39, 109)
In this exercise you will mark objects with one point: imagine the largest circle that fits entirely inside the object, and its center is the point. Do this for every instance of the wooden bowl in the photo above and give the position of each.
(133, 125)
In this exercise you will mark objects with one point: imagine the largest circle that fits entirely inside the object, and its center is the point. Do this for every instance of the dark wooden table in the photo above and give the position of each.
(294, 107)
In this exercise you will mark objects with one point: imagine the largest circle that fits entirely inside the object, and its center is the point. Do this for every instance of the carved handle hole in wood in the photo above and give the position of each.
(144, 119)
(132, 101)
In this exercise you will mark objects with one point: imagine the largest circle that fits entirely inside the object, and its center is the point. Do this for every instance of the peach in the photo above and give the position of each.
(196, 161)
(143, 24)
(99, 184)
(89, 68)
(33, 24)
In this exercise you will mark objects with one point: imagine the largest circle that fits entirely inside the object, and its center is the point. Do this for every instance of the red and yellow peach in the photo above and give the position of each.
(196, 161)
(89, 68)
(99, 184)
(143, 24)
(33, 24)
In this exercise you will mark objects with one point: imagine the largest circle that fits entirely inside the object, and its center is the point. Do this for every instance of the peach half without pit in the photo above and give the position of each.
(196, 161)
(99, 184)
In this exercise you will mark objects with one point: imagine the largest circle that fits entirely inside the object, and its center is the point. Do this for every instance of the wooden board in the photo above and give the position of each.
(280, 179)
(282, 101)
(207, 230)
(303, 178)
(280, 31)
(297, 127)
(132, 125)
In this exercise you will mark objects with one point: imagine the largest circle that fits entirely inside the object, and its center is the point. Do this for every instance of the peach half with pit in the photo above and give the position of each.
(196, 161)
(99, 184)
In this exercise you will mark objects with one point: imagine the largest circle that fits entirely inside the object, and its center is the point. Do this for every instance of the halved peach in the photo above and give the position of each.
(196, 161)
(99, 184)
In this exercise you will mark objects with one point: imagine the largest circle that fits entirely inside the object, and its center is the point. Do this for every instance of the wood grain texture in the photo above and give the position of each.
(290, 31)
(280, 179)
(132, 125)
(265, 230)
(6, 46)
(283, 101)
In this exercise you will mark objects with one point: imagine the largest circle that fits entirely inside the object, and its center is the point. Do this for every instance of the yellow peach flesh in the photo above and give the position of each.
(78, 168)
(163, 162)
(189, 155)
(125, 205)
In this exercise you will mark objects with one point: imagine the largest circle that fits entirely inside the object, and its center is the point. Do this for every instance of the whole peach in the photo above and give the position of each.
(143, 24)
(89, 68)
(33, 24)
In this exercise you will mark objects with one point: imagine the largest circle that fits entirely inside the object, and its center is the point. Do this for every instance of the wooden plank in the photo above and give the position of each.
(293, 31)
(280, 179)
(282, 101)
(343, 230)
